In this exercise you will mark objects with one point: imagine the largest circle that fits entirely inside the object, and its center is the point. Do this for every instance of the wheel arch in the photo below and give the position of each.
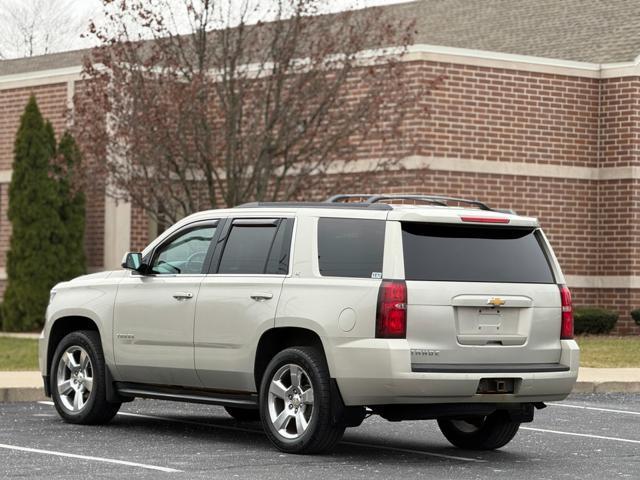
(63, 326)
(277, 339)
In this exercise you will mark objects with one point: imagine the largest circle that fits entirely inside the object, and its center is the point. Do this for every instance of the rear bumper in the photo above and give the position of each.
(379, 372)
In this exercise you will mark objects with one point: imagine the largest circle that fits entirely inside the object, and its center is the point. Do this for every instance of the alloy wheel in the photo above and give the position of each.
(74, 378)
(290, 401)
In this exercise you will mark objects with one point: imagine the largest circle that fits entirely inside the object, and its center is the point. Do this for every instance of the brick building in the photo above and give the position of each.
(539, 112)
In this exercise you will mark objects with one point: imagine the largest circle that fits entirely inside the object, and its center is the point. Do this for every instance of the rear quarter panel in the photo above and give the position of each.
(338, 309)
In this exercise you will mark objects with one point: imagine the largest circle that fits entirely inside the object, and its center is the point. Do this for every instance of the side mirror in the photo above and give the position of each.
(132, 261)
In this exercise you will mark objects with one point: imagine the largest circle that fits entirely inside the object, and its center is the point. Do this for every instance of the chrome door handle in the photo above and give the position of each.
(183, 295)
(261, 297)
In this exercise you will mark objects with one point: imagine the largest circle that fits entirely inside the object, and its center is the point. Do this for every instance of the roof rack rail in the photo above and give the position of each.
(363, 205)
(435, 199)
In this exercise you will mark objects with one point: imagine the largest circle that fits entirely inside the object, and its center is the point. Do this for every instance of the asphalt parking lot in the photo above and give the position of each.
(586, 436)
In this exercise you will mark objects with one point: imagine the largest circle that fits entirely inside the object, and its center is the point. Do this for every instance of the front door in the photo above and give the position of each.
(154, 313)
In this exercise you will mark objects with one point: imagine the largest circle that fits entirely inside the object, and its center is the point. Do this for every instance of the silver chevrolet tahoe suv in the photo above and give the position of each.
(312, 316)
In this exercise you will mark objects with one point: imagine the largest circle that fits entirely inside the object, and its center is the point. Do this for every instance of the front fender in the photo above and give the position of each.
(93, 302)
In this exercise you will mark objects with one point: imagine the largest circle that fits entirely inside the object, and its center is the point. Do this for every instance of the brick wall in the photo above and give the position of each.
(620, 122)
(52, 101)
(139, 229)
(94, 229)
(512, 116)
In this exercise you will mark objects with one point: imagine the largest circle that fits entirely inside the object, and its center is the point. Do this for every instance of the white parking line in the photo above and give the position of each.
(597, 409)
(86, 457)
(588, 435)
(252, 430)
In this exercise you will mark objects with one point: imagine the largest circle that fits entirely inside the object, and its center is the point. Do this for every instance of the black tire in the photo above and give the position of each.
(96, 410)
(321, 435)
(480, 433)
(244, 414)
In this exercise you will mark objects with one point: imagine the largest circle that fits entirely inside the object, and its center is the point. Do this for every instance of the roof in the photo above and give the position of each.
(51, 61)
(594, 31)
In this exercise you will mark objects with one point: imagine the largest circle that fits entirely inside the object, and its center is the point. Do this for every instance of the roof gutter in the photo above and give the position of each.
(412, 53)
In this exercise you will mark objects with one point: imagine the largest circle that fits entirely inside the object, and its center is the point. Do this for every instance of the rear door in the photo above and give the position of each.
(480, 298)
(238, 299)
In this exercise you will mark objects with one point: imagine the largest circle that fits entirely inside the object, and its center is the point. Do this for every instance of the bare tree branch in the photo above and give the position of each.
(236, 111)
(38, 27)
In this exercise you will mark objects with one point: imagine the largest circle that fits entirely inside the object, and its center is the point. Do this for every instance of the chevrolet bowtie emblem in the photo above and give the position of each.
(495, 301)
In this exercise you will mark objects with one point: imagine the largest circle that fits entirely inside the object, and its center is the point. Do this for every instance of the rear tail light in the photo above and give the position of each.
(391, 317)
(566, 330)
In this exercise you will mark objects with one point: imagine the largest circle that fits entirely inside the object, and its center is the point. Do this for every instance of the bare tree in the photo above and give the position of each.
(240, 109)
(38, 27)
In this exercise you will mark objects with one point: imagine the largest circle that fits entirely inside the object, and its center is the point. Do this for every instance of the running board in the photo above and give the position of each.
(191, 395)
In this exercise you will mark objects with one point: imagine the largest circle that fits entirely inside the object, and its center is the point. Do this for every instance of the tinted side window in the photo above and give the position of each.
(350, 247)
(473, 254)
(185, 253)
(278, 262)
(249, 246)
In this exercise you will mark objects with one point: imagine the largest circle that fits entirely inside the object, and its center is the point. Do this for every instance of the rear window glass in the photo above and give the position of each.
(247, 249)
(473, 254)
(350, 247)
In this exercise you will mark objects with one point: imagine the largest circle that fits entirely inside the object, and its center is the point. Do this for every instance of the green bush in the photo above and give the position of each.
(635, 314)
(47, 218)
(71, 209)
(593, 320)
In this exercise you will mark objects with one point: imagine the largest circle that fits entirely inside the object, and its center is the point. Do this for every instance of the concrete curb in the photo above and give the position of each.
(34, 394)
(606, 387)
(25, 394)
(32, 336)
